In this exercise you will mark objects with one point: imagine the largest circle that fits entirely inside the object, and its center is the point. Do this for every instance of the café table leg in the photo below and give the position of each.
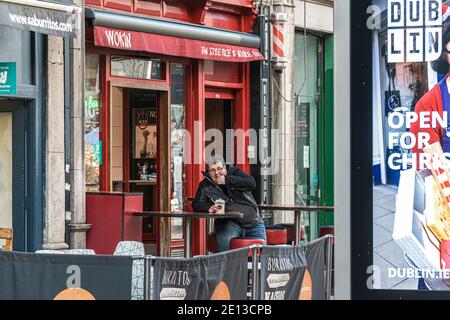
(298, 227)
(188, 235)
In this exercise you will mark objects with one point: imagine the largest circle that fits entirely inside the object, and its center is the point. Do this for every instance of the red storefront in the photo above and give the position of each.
(156, 69)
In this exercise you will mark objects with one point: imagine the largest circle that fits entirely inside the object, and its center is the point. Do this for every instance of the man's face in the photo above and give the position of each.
(217, 171)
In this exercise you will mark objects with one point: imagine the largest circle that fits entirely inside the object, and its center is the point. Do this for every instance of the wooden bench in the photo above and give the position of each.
(7, 234)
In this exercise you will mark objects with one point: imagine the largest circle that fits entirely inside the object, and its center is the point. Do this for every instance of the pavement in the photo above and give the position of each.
(387, 254)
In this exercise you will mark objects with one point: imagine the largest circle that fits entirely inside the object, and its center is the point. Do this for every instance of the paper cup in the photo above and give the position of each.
(221, 206)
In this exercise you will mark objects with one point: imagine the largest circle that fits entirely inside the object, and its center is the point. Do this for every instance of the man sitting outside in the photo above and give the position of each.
(233, 185)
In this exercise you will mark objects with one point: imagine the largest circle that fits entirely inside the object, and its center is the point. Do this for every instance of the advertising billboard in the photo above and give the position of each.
(402, 74)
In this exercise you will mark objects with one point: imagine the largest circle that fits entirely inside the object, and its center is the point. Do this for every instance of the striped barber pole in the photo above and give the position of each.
(278, 41)
(279, 59)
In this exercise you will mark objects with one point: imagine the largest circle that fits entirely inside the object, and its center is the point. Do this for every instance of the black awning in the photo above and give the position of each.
(53, 17)
(170, 28)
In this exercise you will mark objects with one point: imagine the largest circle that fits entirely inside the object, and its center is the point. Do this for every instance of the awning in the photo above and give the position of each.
(135, 33)
(53, 17)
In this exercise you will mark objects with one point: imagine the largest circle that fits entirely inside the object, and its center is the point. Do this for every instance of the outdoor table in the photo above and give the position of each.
(298, 213)
(187, 216)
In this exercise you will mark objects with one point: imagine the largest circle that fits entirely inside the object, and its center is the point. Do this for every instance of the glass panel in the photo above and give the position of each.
(92, 106)
(178, 112)
(6, 170)
(306, 176)
(19, 51)
(136, 68)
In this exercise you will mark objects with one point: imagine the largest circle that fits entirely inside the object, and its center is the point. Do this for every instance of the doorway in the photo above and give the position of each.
(219, 117)
(139, 153)
(13, 170)
(309, 113)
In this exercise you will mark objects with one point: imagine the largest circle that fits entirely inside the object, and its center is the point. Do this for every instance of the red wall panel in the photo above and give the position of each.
(94, 2)
(176, 10)
(222, 71)
(242, 3)
(223, 20)
(106, 213)
(126, 5)
(150, 7)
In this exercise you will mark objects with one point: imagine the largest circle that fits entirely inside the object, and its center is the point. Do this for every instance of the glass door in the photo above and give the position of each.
(13, 178)
(308, 86)
(177, 136)
(6, 173)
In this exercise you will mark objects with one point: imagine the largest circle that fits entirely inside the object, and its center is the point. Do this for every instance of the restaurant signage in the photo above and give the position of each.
(52, 22)
(174, 46)
(31, 276)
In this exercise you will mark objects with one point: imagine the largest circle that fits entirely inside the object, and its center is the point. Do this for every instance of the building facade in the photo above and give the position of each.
(302, 111)
(34, 100)
(159, 75)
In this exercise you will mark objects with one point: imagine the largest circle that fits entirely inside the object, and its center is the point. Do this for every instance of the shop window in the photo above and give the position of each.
(222, 71)
(137, 68)
(92, 107)
(178, 125)
(20, 50)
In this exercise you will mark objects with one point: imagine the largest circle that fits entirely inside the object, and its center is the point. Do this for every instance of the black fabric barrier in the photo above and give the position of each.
(282, 272)
(293, 273)
(222, 276)
(315, 260)
(31, 276)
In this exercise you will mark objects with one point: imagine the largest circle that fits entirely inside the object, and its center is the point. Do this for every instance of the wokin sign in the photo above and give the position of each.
(174, 46)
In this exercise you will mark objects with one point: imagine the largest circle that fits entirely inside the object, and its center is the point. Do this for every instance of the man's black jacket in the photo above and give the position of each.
(239, 199)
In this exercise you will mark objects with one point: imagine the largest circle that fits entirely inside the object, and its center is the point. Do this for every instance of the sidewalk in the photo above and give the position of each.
(386, 253)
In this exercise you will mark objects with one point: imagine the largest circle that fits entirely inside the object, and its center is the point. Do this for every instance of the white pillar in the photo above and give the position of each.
(78, 226)
(54, 221)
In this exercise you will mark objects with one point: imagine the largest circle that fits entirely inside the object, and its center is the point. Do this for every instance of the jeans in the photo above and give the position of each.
(228, 229)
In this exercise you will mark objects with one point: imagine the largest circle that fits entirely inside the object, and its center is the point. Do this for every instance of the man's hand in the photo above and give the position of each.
(214, 209)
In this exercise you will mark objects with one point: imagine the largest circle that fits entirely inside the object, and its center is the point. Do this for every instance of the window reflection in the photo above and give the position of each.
(92, 105)
(136, 68)
(178, 105)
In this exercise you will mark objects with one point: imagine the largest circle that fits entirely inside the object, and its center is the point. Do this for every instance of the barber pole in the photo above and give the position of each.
(279, 59)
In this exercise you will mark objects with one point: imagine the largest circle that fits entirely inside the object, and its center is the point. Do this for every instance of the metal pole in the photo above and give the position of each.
(298, 227)
(147, 278)
(329, 266)
(188, 245)
(255, 262)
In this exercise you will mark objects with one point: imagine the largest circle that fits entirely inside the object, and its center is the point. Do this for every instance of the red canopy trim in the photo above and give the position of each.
(173, 46)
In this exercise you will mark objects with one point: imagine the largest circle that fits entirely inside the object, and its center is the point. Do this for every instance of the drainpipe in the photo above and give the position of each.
(77, 225)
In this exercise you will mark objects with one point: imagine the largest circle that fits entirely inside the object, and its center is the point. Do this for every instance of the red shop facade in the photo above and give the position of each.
(157, 74)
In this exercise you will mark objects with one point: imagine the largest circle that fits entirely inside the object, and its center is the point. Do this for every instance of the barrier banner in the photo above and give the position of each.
(282, 272)
(313, 287)
(31, 276)
(220, 276)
